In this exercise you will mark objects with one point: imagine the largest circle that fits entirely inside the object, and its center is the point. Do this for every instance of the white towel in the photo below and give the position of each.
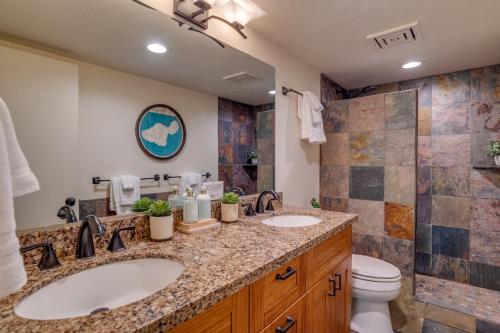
(16, 179)
(129, 182)
(311, 120)
(121, 200)
(190, 179)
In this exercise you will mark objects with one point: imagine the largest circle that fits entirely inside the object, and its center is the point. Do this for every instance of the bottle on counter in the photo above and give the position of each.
(204, 204)
(190, 209)
(174, 199)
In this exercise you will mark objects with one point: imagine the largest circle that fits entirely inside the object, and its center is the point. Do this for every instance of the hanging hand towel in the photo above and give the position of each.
(311, 120)
(192, 179)
(121, 199)
(16, 178)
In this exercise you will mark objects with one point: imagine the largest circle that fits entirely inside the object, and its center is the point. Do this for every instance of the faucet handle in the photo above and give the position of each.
(249, 211)
(116, 244)
(49, 256)
(270, 204)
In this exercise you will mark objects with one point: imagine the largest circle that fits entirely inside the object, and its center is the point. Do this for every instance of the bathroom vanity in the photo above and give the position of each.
(240, 277)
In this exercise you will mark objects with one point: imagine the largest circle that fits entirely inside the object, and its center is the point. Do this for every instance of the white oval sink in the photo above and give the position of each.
(291, 221)
(100, 288)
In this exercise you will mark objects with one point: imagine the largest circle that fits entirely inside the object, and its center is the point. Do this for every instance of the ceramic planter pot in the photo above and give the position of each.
(497, 160)
(229, 212)
(161, 228)
(253, 161)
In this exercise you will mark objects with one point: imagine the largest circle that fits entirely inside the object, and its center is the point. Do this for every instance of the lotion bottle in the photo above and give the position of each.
(190, 210)
(204, 204)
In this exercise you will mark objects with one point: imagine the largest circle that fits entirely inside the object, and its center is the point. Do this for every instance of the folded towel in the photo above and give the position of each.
(129, 182)
(190, 179)
(311, 119)
(121, 200)
(16, 179)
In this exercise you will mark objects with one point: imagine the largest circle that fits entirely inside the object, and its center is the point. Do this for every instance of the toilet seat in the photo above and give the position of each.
(373, 269)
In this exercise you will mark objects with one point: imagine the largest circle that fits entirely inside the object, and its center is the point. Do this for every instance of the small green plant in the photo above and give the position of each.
(493, 148)
(251, 154)
(230, 198)
(159, 208)
(142, 204)
(315, 203)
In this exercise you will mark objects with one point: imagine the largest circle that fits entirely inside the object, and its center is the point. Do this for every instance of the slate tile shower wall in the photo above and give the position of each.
(458, 204)
(368, 167)
(243, 128)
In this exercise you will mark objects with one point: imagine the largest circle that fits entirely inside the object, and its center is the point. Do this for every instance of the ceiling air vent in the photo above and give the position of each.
(404, 34)
(241, 78)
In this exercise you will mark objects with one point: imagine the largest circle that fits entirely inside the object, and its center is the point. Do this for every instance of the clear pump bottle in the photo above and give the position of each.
(174, 199)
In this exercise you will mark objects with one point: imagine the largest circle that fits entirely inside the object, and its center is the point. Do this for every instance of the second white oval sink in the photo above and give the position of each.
(292, 221)
(100, 288)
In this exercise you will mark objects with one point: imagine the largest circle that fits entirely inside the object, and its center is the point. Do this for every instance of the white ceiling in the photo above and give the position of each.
(114, 33)
(330, 35)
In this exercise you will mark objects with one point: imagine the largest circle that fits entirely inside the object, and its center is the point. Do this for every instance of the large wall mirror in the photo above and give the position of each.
(76, 84)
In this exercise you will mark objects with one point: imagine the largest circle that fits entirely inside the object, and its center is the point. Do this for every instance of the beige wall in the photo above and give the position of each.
(42, 96)
(297, 163)
(110, 102)
(76, 120)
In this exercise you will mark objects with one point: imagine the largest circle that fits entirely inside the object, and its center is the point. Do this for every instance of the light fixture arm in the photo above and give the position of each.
(235, 25)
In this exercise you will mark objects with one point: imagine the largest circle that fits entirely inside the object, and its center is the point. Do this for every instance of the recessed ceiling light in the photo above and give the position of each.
(272, 92)
(411, 64)
(156, 48)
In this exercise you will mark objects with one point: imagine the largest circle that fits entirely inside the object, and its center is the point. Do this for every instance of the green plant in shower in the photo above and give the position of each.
(252, 155)
(230, 198)
(142, 204)
(493, 148)
(159, 208)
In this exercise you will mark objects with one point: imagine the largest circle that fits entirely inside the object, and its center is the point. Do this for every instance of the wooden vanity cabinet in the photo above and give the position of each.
(311, 293)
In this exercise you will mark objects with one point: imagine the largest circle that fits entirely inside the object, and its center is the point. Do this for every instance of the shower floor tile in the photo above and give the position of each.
(478, 302)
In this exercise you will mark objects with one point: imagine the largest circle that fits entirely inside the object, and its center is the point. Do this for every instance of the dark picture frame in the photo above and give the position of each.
(138, 134)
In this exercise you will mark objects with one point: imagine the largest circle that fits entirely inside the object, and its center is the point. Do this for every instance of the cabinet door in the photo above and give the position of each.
(342, 298)
(228, 316)
(320, 306)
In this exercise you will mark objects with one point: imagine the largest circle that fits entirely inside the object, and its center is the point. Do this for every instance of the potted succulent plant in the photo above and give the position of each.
(252, 156)
(315, 203)
(142, 205)
(229, 207)
(493, 150)
(161, 220)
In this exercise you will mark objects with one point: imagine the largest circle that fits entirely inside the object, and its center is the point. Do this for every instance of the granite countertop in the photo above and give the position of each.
(218, 263)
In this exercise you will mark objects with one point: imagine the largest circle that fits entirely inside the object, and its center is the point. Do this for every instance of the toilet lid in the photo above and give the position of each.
(373, 268)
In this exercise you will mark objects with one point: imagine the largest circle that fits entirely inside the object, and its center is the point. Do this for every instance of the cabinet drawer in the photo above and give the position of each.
(325, 256)
(274, 293)
(293, 320)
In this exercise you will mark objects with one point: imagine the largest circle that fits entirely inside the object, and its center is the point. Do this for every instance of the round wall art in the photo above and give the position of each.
(160, 131)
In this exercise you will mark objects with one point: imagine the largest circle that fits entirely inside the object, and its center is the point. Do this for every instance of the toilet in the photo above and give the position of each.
(374, 283)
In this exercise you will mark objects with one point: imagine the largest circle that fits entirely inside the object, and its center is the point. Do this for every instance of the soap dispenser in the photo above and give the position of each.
(190, 210)
(204, 204)
(174, 199)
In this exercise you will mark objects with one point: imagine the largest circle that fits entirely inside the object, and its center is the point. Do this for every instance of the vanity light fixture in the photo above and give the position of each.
(156, 48)
(235, 13)
(411, 64)
(272, 92)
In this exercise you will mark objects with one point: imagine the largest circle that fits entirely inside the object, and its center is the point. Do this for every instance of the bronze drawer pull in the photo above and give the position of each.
(334, 291)
(289, 323)
(289, 272)
(340, 281)
(334, 281)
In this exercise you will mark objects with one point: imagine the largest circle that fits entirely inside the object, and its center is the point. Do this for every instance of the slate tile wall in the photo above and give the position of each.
(243, 128)
(458, 206)
(368, 167)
